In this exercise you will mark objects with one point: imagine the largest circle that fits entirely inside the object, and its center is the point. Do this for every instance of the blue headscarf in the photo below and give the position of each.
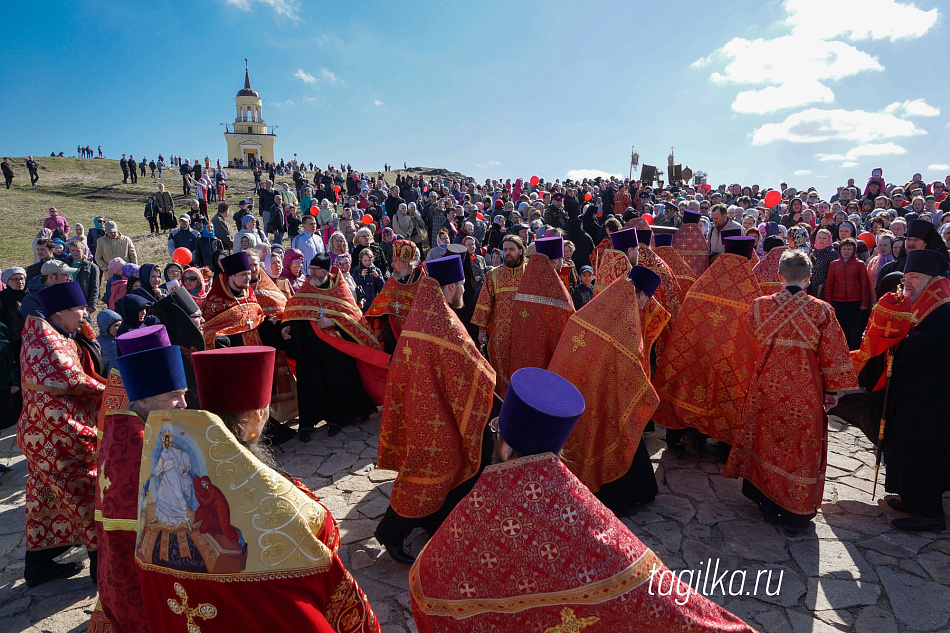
(205, 232)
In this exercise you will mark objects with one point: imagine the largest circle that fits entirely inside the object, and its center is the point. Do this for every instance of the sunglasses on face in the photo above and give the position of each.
(189, 279)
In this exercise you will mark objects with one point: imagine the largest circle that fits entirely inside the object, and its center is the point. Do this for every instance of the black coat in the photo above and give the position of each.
(206, 251)
(918, 436)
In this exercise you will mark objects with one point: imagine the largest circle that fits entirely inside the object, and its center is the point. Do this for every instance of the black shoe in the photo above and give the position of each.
(277, 433)
(399, 554)
(52, 571)
(917, 523)
(897, 504)
(305, 435)
(333, 429)
(770, 512)
(693, 446)
(720, 451)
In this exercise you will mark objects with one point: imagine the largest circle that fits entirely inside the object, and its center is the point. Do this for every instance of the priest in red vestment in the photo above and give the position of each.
(685, 276)
(389, 309)
(918, 440)
(438, 403)
(231, 312)
(531, 549)
(493, 312)
(766, 271)
(540, 308)
(690, 242)
(780, 446)
(601, 351)
(705, 372)
(225, 541)
(336, 353)
(57, 435)
(616, 262)
(154, 379)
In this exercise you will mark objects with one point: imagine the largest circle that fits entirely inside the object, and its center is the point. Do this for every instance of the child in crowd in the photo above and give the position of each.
(584, 290)
(108, 322)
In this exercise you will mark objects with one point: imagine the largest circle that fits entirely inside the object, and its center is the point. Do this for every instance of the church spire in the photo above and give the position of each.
(247, 78)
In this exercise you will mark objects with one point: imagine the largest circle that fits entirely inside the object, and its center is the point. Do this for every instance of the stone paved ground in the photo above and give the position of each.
(852, 572)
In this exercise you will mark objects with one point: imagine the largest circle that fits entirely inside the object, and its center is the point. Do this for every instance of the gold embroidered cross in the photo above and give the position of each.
(717, 317)
(205, 611)
(104, 482)
(407, 352)
(570, 623)
(398, 306)
(579, 340)
(524, 313)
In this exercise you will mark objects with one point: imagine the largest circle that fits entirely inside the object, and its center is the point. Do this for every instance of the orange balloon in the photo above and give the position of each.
(367, 219)
(648, 218)
(182, 256)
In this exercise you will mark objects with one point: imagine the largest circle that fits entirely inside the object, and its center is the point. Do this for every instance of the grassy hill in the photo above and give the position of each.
(83, 188)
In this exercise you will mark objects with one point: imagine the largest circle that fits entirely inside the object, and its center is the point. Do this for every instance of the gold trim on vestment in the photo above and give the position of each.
(625, 581)
(548, 301)
(772, 468)
(119, 525)
(738, 305)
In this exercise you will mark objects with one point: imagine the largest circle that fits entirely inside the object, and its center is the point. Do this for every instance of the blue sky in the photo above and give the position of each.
(798, 90)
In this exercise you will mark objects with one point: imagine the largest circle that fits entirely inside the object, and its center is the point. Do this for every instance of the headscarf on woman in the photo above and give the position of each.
(201, 291)
(145, 290)
(296, 281)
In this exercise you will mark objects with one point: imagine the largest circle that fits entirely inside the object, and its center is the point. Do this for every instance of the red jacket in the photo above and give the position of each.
(848, 282)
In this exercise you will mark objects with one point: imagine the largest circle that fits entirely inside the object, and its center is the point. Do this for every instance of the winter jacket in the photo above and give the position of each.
(180, 238)
(108, 248)
(848, 281)
(107, 343)
(206, 251)
(88, 279)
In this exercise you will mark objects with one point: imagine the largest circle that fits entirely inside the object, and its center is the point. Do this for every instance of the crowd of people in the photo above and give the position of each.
(521, 332)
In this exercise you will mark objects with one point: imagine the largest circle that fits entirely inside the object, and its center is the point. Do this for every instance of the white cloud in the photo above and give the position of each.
(849, 164)
(329, 76)
(802, 172)
(580, 174)
(285, 8)
(304, 76)
(814, 125)
(917, 107)
(488, 164)
(792, 68)
(282, 104)
(787, 95)
(863, 151)
(867, 20)
(938, 167)
(311, 99)
(377, 103)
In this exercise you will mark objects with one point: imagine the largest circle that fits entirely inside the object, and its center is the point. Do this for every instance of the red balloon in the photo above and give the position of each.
(587, 197)
(534, 181)
(337, 188)
(648, 218)
(869, 239)
(479, 216)
(773, 198)
(182, 256)
(367, 219)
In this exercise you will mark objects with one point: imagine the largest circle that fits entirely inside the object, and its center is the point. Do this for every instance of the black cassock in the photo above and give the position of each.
(328, 382)
(917, 439)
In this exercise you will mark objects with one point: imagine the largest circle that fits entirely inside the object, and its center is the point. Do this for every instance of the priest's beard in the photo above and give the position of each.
(514, 262)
